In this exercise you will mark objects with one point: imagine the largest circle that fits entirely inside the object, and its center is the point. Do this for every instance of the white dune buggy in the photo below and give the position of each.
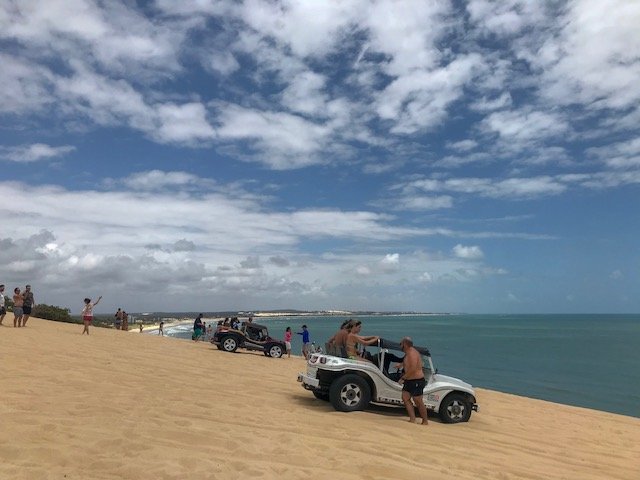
(352, 384)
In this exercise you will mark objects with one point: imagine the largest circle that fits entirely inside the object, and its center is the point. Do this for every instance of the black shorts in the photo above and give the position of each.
(26, 310)
(3, 310)
(414, 387)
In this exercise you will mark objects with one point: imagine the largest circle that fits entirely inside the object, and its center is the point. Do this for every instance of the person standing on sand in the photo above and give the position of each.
(141, 328)
(27, 305)
(197, 328)
(287, 340)
(17, 307)
(412, 381)
(305, 341)
(118, 316)
(87, 313)
(160, 328)
(125, 321)
(3, 309)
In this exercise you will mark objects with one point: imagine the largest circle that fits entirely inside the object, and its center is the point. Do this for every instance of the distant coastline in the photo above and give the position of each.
(281, 313)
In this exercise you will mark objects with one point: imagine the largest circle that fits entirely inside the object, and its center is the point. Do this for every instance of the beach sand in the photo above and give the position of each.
(111, 406)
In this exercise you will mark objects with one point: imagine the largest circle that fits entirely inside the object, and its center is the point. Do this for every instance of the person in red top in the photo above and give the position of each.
(287, 340)
(87, 313)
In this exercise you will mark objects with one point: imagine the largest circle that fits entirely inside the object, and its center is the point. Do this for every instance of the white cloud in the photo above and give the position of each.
(285, 140)
(593, 60)
(158, 179)
(421, 203)
(616, 275)
(463, 145)
(390, 262)
(619, 155)
(426, 277)
(468, 253)
(33, 152)
(524, 126)
(486, 187)
(222, 62)
(304, 94)
(490, 104)
(419, 99)
(508, 17)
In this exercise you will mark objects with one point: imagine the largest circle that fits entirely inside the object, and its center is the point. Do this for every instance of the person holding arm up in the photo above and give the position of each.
(87, 313)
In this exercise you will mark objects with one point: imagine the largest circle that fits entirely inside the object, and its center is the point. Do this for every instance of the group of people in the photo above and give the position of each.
(23, 303)
(121, 320)
(201, 331)
(348, 343)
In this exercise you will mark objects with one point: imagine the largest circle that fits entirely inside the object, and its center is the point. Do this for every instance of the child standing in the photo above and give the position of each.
(287, 340)
(87, 313)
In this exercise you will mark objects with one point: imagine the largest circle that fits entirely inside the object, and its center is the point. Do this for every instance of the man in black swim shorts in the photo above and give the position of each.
(412, 381)
(29, 303)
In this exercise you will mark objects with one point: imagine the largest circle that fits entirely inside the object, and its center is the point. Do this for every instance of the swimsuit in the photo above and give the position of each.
(415, 386)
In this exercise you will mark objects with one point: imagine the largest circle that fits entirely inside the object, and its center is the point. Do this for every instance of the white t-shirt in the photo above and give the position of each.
(1, 300)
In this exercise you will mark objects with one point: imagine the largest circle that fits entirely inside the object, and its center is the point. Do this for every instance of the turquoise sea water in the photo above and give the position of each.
(585, 360)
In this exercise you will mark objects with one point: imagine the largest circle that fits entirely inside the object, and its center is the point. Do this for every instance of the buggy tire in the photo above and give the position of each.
(229, 343)
(349, 393)
(274, 351)
(455, 408)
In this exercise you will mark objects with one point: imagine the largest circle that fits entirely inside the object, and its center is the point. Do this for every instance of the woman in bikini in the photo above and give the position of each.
(354, 340)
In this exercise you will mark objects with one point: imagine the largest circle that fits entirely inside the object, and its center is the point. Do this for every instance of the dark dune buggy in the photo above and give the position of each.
(250, 336)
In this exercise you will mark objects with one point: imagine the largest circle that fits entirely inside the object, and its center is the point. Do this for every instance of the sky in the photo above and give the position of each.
(433, 156)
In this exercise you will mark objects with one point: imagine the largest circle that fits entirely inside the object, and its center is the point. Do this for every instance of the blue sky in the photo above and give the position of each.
(361, 155)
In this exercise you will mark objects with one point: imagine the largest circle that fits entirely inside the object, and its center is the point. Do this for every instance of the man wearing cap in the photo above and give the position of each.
(3, 310)
(29, 303)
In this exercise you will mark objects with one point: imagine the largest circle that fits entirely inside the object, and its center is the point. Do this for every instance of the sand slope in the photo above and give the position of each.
(115, 405)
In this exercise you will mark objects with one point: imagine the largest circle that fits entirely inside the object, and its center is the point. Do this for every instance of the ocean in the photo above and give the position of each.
(589, 361)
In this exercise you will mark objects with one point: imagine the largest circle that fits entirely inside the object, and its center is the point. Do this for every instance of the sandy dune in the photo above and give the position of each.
(114, 405)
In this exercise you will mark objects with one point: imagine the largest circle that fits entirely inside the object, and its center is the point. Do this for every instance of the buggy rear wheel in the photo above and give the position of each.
(349, 393)
(229, 344)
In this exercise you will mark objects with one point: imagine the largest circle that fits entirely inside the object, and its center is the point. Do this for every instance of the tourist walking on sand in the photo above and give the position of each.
(87, 313)
(118, 316)
(160, 328)
(412, 381)
(18, 301)
(287, 340)
(125, 321)
(305, 341)
(141, 327)
(27, 305)
(197, 328)
(3, 309)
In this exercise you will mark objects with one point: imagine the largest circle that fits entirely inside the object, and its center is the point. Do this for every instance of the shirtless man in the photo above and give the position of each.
(27, 304)
(412, 381)
(18, 301)
(353, 340)
(339, 340)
